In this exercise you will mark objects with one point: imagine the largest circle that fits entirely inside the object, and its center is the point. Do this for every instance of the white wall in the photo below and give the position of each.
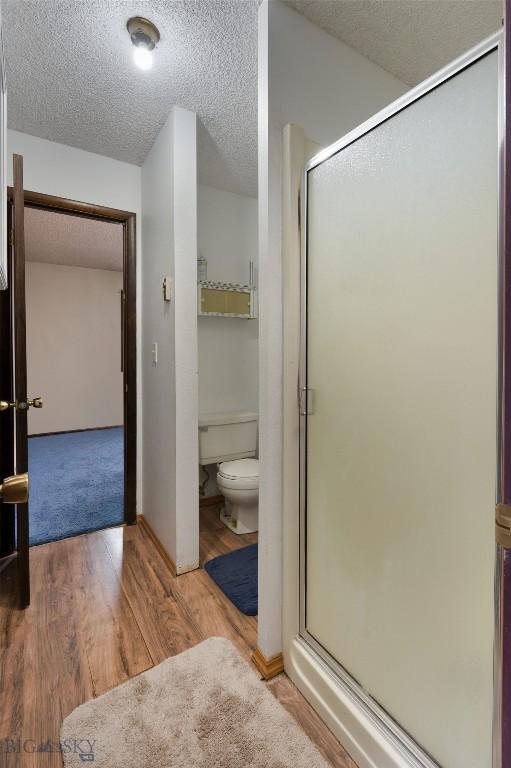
(227, 227)
(309, 78)
(56, 169)
(184, 166)
(170, 386)
(73, 347)
(319, 83)
(228, 347)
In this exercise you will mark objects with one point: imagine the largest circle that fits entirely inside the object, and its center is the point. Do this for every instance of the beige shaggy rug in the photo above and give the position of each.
(205, 708)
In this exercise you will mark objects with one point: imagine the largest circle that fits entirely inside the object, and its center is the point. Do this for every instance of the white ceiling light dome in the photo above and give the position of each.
(145, 37)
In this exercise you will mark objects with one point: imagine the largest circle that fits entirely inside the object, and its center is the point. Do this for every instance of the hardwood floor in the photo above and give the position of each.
(105, 607)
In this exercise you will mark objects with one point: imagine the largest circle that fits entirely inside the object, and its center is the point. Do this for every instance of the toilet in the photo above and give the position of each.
(229, 439)
(238, 482)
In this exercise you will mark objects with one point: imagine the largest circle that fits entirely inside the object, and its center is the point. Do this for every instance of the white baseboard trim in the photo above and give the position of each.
(356, 731)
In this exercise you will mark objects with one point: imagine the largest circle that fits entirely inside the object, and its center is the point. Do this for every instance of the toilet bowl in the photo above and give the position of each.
(238, 482)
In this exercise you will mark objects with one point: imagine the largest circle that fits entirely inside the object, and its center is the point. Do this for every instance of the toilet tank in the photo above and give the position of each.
(227, 436)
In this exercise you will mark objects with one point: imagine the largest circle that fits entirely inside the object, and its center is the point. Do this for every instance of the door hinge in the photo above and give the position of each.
(306, 401)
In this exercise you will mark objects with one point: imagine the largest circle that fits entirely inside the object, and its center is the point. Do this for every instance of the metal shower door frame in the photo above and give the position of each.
(391, 731)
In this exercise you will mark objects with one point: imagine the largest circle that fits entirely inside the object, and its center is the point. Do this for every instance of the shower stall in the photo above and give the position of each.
(397, 623)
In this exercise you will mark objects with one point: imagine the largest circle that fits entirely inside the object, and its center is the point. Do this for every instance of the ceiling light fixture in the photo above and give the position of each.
(145, 37)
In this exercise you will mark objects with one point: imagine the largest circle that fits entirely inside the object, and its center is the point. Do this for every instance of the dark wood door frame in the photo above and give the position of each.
(129, 317)
(7, 511)
(17, 278)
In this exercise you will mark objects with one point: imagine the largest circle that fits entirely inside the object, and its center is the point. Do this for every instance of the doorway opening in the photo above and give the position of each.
(228, 354)
(81, 358)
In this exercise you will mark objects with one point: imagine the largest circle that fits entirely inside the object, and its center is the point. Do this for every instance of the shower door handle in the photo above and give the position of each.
(306, 399)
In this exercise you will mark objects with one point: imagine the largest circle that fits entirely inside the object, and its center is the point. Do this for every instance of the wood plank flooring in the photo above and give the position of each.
(105, 607)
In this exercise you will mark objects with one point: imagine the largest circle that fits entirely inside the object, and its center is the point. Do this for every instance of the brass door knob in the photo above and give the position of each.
(14, 490)
(36, 402)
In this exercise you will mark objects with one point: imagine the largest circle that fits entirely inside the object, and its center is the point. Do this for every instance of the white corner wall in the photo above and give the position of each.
(228, 347)
(309, 78)
(73, 347)
(186, 363)
(170, 385)
(56, 169)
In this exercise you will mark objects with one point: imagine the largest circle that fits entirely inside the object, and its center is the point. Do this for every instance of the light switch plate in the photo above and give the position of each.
(167, 288)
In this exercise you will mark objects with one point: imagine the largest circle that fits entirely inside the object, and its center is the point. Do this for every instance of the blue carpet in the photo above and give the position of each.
(76, 483)
(236, 575)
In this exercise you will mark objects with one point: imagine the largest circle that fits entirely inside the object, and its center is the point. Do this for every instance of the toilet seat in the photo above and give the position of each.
(238, 482)
(241, 474)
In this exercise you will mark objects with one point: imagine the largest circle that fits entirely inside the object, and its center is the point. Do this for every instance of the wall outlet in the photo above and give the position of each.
(155, 353)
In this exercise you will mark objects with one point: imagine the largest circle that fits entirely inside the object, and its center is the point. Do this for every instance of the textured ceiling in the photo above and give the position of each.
(411, 39)
(60, 238)
(71, 78)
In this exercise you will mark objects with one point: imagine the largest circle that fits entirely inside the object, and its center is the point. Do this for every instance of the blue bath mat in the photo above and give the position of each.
(76, 483)
(236, 575)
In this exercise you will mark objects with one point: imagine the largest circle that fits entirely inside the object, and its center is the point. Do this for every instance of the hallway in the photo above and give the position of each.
(104, 608)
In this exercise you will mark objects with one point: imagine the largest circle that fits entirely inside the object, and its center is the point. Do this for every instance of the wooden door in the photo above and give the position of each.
(14, 532)
(7, 511)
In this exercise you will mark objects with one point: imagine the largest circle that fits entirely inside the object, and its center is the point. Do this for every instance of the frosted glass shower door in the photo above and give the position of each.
(400, 459)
